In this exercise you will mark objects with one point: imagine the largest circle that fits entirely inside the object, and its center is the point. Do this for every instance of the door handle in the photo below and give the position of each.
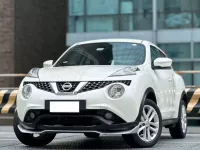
(169, 79)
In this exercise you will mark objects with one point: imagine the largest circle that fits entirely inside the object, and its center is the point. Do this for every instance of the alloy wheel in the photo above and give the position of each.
(149, 125)
(183, 118)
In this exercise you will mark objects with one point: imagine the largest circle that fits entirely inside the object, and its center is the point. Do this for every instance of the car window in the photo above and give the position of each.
(161, 54)
(106, 53)
(77, 57)
(154, 53)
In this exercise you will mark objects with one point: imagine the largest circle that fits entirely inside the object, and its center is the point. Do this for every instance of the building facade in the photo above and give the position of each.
(31, 32)
(6, 40)
(174, 25)
(41, 30)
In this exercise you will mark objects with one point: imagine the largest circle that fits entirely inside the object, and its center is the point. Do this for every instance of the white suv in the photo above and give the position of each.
(115, 86)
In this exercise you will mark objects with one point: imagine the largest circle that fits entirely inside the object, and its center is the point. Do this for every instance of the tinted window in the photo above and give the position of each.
(104, 54)
(161, 54)
(154, 53)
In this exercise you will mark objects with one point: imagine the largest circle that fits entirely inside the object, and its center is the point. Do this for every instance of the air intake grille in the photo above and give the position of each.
(73, 84)
(42, 86)
(93, 85)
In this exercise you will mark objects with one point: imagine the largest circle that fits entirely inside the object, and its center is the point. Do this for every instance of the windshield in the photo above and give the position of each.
(104, 54)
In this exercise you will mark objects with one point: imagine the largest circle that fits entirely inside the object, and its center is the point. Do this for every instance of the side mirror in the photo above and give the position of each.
(48, 63)
(163, 62)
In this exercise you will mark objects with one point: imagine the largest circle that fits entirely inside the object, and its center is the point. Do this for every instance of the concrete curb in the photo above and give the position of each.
(191, 130)
(6, 120)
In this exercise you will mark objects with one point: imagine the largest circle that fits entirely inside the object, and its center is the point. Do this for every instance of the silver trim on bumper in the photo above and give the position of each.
(132, 131)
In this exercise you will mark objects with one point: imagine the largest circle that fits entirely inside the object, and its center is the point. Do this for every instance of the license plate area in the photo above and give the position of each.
(65, 106)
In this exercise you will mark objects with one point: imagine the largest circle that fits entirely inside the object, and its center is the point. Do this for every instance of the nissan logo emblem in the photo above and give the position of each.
(66, 86)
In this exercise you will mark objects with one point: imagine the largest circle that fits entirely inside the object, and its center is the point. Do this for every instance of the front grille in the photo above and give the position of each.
(41, 85)
(60, 84)
(68, 121)
(93, 85)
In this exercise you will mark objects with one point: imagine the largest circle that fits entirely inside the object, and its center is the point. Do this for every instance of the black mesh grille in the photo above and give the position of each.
(42, 86)
(60, 84)
(93, 85)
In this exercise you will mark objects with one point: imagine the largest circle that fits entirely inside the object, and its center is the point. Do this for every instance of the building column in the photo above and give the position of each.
(40, 32)
(154, 8)
(6, 40)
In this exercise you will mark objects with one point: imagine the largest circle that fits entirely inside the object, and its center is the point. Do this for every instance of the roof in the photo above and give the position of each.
(111, 40)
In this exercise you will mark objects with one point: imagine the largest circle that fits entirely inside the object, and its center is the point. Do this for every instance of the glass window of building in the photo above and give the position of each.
(126, 7)
(177, 50)
(76, 7)
(196, 76)
(76, 24)
(135, 22)
(135, 15)
(196, 50)
(101, 24)
(75, 19)
(100, 16)
(109, 15)
(101, 7)
(177, 66)
(178, 14)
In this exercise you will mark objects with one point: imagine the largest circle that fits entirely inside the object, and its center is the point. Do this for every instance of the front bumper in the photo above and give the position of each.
(126, 107)
(91, 121)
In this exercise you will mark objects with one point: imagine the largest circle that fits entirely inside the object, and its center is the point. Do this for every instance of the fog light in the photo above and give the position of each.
(26, 91)
(32, 115)
(108, 115)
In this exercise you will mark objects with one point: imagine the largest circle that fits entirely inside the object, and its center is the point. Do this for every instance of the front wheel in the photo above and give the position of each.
(31, 139)
(180, 129)
(150, 127)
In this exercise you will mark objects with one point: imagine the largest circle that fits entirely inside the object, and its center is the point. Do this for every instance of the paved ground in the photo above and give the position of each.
(8, 141)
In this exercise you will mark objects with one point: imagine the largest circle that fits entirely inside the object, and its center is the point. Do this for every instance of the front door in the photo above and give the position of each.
(163, 79)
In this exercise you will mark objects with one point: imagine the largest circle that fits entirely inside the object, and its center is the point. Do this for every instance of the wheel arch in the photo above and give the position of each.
(184, 98)
(150, 94)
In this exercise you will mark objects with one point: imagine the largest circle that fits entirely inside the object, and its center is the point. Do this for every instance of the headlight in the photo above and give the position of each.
(125, 72)
(116, 91)
(33, 73)
(26, 91)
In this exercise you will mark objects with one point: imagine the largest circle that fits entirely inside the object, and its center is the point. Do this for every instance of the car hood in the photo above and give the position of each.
(77, 73)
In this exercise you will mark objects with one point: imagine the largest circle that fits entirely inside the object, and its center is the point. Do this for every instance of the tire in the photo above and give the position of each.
(29, 139)
(137, 140)
(92, 135)
(180, 131)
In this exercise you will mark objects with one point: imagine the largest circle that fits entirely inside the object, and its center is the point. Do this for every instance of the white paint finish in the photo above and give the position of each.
(163, 85)
(163, 62)
(48, 63)
(77, 73)
(65, 107)
(167, 85)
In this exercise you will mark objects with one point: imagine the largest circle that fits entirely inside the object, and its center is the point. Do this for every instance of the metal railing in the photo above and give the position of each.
(188, 72)
(23, 75)
(13, 75)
